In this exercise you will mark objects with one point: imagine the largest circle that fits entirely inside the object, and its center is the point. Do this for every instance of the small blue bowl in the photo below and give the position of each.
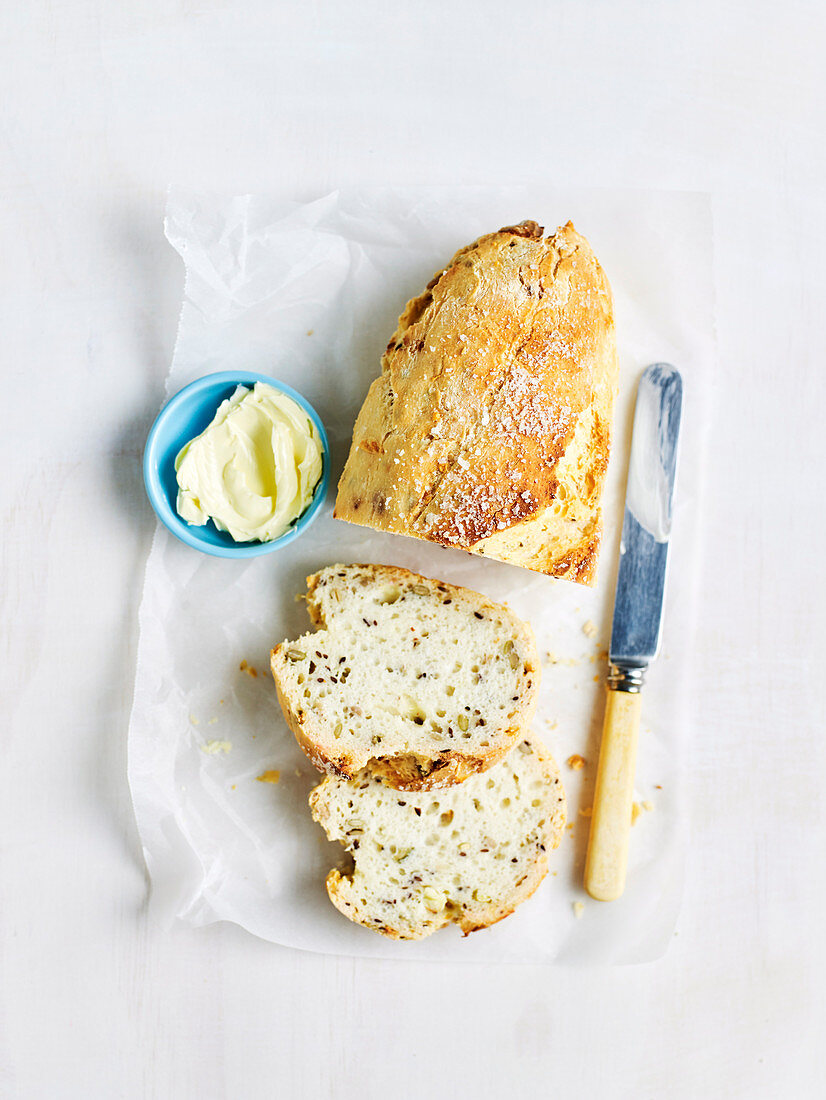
(183, 417)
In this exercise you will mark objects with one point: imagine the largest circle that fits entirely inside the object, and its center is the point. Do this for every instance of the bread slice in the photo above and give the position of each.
(425, 681)
(489, 427)
(468, 855)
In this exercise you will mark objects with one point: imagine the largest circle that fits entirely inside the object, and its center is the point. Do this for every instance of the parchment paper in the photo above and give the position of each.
(310, 294)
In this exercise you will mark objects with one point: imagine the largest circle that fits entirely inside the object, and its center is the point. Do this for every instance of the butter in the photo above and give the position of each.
(254, 470)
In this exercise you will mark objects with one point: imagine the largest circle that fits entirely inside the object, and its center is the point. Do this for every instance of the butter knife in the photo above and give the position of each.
(635, 635)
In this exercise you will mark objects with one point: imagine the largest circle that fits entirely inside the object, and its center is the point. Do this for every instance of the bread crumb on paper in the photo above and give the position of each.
(578, 908)
(194, 721)
(212, 748)
(640, 807)
(270, 776)
(589, 629)
(250, 671)
(586, 811)
(576, 762)
(554, 659)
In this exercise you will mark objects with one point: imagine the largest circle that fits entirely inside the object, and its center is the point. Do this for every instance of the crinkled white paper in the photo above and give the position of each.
(309, 294)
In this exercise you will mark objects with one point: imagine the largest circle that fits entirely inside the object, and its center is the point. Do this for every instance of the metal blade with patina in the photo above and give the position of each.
(646, 529)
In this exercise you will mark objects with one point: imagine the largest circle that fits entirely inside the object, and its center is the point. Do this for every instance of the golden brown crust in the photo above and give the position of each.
(489, 426)
(407, 773)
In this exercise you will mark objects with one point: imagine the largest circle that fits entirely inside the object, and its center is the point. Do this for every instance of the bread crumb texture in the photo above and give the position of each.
(427, 682)
(468, 855)
(269, 776)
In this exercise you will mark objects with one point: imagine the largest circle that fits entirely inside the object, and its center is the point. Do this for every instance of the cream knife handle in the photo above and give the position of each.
(607, 860)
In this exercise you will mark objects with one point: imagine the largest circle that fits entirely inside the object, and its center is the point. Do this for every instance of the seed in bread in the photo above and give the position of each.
(421, 860)
(425, 681)
(489, 426)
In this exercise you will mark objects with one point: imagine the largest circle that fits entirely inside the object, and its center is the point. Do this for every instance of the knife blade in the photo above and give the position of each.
(637, 625)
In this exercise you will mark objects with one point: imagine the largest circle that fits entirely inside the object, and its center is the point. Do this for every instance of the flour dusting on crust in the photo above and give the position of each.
(489, 426)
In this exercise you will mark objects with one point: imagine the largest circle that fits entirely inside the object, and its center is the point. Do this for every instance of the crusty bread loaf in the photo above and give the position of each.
(489, 426)
(468, 855)
(426, 681)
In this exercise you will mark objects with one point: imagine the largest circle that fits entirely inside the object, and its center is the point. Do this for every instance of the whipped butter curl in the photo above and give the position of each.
(254, 470)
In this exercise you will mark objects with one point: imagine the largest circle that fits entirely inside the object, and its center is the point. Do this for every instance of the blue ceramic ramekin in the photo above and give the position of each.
(183, 417)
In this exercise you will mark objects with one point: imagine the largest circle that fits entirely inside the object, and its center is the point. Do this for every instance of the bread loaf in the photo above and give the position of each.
(467, 855)
(489, 426)
(424, 681)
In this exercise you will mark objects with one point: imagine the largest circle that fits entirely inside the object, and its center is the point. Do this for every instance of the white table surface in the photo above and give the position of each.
(103, 105)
